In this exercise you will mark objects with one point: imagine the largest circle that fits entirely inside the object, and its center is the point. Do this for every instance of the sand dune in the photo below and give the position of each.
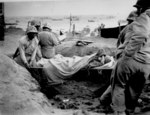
(19, 92)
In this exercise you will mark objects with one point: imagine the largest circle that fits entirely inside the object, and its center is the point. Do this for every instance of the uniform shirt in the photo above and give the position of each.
(137, 39)
(47, 41)
(27, 47)
(120, 42)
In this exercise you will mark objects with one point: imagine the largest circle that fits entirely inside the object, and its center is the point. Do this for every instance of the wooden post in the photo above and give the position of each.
(73, 30)
(2, 22)
(119, 24)
(70, 23)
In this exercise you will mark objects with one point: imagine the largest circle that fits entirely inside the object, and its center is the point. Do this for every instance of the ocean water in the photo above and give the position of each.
(63, 22)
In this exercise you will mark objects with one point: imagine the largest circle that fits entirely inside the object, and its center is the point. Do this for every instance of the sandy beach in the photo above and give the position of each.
(74, 97)
(72, 82)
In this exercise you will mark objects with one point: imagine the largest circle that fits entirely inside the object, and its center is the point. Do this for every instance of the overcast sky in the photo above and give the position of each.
(65, 7)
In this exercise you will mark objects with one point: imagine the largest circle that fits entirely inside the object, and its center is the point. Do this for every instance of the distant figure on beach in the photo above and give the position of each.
(99, 29)
(47, 42)
(60, 33)
(28, 48)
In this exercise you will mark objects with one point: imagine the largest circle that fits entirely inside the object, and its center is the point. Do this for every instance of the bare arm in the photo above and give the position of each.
(34, 54)
(36, 50)
(22, 53)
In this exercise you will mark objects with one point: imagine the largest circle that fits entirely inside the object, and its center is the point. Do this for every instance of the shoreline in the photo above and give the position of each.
(63, 22)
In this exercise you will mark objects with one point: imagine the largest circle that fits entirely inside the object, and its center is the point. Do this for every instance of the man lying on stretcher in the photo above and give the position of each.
(94, 60)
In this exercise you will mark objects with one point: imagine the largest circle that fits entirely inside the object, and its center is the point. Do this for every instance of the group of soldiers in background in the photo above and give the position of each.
(38, 42)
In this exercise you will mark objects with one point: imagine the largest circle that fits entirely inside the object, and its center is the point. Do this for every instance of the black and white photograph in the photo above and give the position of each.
(74, 57)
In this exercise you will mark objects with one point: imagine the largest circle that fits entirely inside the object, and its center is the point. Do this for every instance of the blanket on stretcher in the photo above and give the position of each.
(61, 68)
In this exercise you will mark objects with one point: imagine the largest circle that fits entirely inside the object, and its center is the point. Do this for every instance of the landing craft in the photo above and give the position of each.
(111, 32)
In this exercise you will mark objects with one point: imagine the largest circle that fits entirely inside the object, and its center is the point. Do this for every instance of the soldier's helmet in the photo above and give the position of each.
(47, 26)
(142, 4)
(35, 23)
(132, 16)
(31, 29)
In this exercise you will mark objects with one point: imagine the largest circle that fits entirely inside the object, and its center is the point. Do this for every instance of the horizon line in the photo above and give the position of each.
(63, 15)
